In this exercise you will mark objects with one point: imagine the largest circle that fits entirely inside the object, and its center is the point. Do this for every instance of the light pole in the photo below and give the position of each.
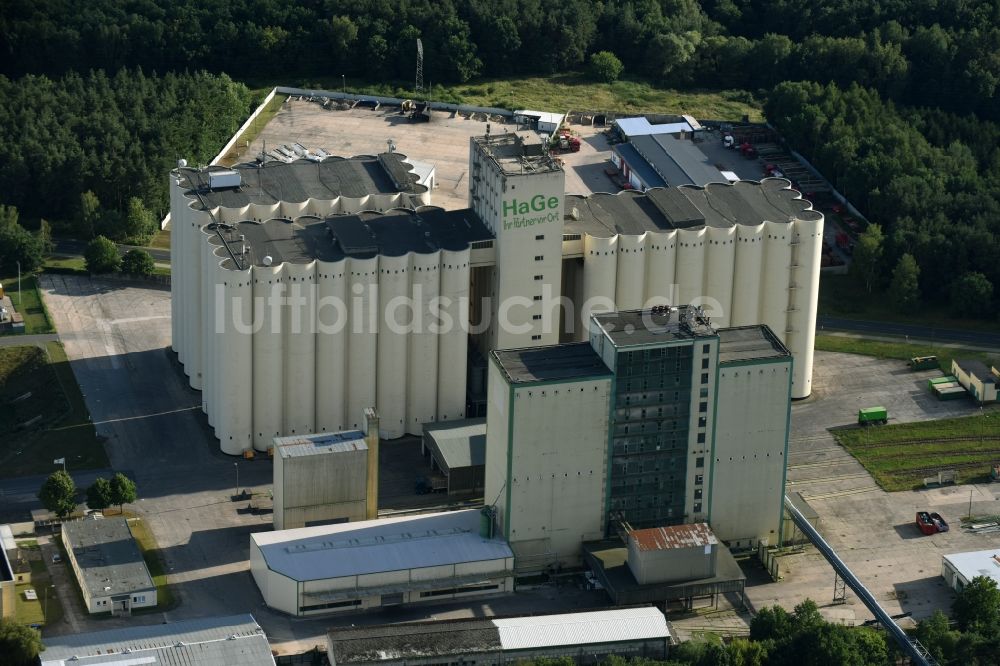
(19, 285)
(343, 84)
(236, 466)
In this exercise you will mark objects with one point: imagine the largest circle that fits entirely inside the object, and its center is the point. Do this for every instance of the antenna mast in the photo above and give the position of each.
(420, 66)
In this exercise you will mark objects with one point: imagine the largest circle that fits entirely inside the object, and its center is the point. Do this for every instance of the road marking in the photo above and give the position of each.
(829, 479)
(842, 493)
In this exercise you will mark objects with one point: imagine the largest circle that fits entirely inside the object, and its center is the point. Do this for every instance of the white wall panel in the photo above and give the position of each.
(631, 272)
(362, 340)
(394, 322)
(690, 271)
(332, 328)
(299, 320)
(808, 232)
(777, 274)
(453, 339)
(234, 347)
(600, 269)
(268, 356)
(422, 355)
(720, 253)
(661, 255)
(749, 262)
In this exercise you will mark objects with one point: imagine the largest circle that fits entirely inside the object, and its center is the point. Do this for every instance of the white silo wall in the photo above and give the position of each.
(808, 231)
(777, 275)
(631, 273)
(322, 207)
(175, 265)
(362, 339)
(268, 356)
(353, 204)
(394, 320)
(661, 259)
(749, 261)
(234, 419)
(234, 215)
(195, 249)
(292, 210)
(600, 268)
(422, 355)
(263, 212)
(720, 253)
(690, 271)
(299, 320)
(453, 338)
(331, 345)
(206, 337)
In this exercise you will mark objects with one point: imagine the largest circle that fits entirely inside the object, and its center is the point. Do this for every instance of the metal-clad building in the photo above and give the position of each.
(376, 563)
(458, 449)
(958, 569)
(235, 640)
(320, 479)
(585, 637)
(675, 553)
(108, 565)
(976, 378)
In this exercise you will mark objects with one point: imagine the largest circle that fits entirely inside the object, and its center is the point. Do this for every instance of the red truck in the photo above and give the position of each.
(925, 523)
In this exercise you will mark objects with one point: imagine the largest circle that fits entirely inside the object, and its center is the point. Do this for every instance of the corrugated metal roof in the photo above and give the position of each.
(543, 116)
(675, 536)
(461, 443)
(977, 563)
(235, 640)
(639, 126)
(295, 446)
(376, 546)
(611, 626)
(639, 165)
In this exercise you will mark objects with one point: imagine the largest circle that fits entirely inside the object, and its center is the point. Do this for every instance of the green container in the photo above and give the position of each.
(947, 379)
(923, 363)
(873, 415)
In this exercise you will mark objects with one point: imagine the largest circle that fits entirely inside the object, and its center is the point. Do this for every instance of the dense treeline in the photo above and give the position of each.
(94, 150)
(943, 54)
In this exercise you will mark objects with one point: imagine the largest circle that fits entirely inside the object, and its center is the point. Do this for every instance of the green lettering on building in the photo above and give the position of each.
(537, 210)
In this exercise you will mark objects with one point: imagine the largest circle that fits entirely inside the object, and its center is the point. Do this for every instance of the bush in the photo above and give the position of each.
(605, 66)
(972, 295)
(101, 256)
(137, 262)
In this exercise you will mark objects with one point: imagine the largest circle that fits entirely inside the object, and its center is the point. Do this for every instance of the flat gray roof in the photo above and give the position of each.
(517, 153)
(677, 161)
(378, 546)
(638, 163)
(745, 343)
(303, 179)
(460, 443)
(721, 205)
(658, 325)
(300, 446)
(978, 369)
(107, 556)
(565, 362)
(235, 640)
(393, 233)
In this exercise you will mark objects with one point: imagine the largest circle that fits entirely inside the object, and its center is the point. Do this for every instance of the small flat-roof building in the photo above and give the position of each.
(458, 449)
(320, 479)
(544, 122)
(108, 566)
(586, 637)
(959, 569)
(630, 128)
(979, 380)
(674, 553)
(235, 640)
(376, 563)
(658, 160)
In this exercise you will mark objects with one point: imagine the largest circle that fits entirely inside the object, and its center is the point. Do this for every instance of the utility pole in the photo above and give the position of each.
(19, 285)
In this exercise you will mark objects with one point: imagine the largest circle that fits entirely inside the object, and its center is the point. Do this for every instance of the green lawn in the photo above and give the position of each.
(269, 112)
(29, 304)
(65, 265)
(900, 350)
(39, 611)
(161, 239)
(154, 561)
(63, 430)
(839, 296)
(900, 456)
(562, 92)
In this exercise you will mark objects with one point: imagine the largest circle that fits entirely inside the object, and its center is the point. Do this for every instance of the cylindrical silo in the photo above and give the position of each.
(777, 277)
(268, 356)
(600, 268)
(807, 230)
(720, 252)
(452, 334)
(176, 202)
(293, 210)
(300, 349)
(422, 355)
(395, 315)
(207, 282)
(332, 327)
(234, 415)
(690, 271)
(631, 273)
(362, 340)
(661, 255)
(195, 249)
(749, 262)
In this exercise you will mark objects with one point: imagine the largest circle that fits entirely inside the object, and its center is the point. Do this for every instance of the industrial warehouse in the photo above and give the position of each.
(288, 290)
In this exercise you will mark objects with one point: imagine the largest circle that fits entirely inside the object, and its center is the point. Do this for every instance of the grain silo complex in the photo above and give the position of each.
(312, 290)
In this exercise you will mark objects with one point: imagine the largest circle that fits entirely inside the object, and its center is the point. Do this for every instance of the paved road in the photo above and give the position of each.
(18, 340)
(73, 247)
(861, 326)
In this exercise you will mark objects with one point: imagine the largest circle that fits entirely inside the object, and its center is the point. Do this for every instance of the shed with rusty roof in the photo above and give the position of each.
(675, 553)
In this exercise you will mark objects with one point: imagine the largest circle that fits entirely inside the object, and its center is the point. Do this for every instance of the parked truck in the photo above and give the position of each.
(872, 415)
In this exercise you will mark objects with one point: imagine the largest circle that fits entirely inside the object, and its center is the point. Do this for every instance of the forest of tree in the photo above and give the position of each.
(896, 102)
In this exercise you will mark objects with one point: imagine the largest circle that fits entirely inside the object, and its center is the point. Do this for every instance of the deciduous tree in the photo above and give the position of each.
(58, 494)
